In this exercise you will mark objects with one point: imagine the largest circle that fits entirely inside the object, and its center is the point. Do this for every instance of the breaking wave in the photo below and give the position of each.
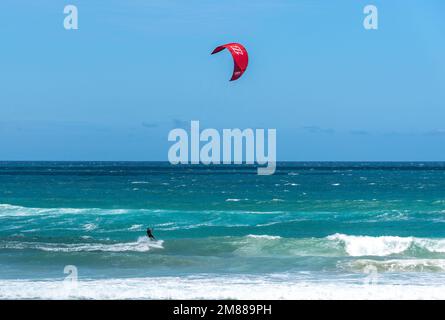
(386, 245)
(143, 244)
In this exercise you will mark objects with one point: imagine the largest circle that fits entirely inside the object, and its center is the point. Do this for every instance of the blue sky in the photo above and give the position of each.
(135, 69)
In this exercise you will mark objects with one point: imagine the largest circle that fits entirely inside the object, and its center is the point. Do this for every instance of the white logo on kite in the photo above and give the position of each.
(237, 50)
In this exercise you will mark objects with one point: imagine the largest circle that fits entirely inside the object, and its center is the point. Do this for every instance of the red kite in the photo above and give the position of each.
(240, 58)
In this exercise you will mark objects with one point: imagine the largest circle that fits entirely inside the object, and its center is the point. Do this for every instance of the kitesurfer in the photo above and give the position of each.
(150, 234)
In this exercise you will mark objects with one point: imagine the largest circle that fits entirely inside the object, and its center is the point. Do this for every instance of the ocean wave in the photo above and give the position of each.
(340, 245)
(89, 226)
(135, 227)
(186, 227)
(396, 265)
(275, 246)
(252, 245)
(263, 236)
(12, 210)
(385, 245)
(7, 210)
(143, 244)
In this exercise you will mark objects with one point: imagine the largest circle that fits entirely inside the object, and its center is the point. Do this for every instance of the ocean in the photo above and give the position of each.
(328, 230)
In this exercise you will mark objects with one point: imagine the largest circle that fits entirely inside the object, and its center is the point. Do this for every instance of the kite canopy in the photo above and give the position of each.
(240, 58)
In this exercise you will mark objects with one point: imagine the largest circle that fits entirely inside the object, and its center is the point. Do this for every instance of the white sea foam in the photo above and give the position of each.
(11, 210)
(397, 265)
(208, 287)
(165, 224)
(143, 244)
(432, 245)
(233, 200)
(385, 245)
(7, 210)
(137, 227)
(268, 224)
(263, 236)
(372, 246)
(89, 226)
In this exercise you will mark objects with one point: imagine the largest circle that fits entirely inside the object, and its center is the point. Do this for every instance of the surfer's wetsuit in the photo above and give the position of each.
(150, 234)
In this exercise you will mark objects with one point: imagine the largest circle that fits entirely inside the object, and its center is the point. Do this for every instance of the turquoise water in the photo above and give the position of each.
(312, 223)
